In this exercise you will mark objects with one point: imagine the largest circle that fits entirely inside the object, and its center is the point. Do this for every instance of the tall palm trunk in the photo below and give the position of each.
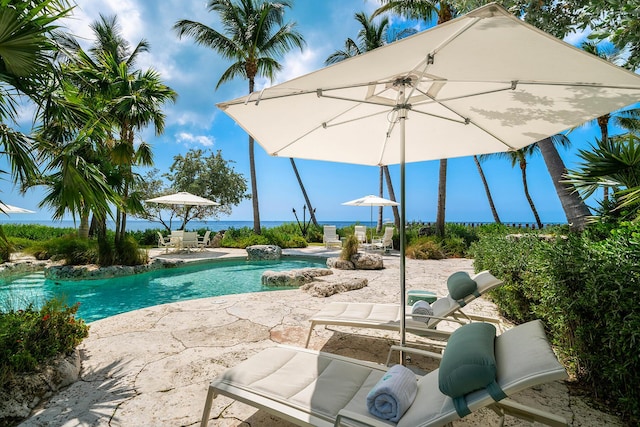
(304, 193)
(523, 170)
(603, 123)
(254, 181)
(496, 218)
(574, 207)
(381, 194)
(392, 196)
(83, 228)
(442, 197)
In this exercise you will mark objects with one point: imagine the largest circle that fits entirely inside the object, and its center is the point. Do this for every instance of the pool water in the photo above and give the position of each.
(108, 297)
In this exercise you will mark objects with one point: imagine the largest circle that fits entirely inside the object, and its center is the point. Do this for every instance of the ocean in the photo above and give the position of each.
(140, 225)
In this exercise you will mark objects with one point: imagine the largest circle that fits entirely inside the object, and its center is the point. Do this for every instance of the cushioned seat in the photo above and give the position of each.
(312, 388)
(387, 316)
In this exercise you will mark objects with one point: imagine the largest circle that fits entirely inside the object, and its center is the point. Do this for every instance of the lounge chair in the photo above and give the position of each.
(166, 244)
(360, 232)
(385, 242)
(330, 237)
(310, 388)
(206, 240)
(387, 316)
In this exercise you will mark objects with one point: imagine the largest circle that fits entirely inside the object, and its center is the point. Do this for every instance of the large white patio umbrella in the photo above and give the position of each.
(183, 198)
(482, 83)
(371, 201)
(10, 209)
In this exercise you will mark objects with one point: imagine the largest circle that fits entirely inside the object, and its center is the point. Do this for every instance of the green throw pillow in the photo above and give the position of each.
(460, 285)
(469, 364)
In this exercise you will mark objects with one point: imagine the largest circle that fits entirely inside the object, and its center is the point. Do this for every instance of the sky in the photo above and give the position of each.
(195, 122)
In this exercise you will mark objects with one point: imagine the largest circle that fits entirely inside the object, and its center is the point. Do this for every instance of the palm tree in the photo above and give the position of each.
(519, 157)
(25, 65)
(615, 163)
(492, 205)
(128, 99)
(254, 36)
(627, 119)
(371, 36)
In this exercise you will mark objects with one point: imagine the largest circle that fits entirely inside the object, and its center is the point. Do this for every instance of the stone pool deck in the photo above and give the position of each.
(152, 367)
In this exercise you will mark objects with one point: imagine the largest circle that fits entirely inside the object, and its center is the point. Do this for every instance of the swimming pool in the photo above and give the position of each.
(108, 297)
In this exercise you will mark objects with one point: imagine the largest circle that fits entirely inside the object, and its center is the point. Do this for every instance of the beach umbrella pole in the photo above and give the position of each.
(402, 117)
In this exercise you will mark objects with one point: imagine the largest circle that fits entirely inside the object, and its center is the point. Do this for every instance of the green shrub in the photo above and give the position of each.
(349, 248)
(32, 336)
(585, 288)
(129, 253)
(70, 248)
(35, 232)
(425, 248)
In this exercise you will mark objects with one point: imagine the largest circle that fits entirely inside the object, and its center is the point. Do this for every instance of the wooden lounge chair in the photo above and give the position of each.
(310, 388)
(330, 237)
(387, 316)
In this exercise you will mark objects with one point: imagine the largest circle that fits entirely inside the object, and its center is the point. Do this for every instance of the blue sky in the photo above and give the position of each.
(195, 122)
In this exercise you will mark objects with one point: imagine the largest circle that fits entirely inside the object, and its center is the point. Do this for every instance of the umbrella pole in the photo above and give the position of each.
(402, 116)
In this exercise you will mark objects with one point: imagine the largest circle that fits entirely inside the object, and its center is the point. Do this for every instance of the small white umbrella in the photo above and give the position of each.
(371, 201)
(185, 199)
(10, 209)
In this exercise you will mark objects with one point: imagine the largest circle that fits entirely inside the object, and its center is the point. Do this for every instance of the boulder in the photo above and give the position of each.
(340, 264)
(326, 289)
(215, 240)
(262, 252)
(26, 391)
(367, 261)
(293, 277)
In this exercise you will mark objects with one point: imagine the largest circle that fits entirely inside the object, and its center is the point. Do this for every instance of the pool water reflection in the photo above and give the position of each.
(107, 297)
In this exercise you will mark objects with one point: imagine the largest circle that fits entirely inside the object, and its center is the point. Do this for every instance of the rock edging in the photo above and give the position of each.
(24, 393)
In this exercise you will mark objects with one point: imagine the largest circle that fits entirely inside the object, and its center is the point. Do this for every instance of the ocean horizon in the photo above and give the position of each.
(217, 225)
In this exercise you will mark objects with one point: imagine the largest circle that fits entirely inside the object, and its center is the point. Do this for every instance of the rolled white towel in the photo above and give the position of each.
(423, 308)
(393, 394)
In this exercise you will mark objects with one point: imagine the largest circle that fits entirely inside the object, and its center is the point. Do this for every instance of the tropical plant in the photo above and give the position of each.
(26, 50)
(254, 36)
(628, 119)
(127, 100)
(615, 163)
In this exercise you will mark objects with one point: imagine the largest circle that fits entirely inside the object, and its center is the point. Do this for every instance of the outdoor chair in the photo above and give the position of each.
(361, 234)
(189, 240)
(330, 237)
(462, 290)
(310, 388)
(384, 243)
(166, 244)
(206, 240)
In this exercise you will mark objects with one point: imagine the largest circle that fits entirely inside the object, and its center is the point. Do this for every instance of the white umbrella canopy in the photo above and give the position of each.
(183, 198)
(371, 201)
(10, 209)
(482, 83)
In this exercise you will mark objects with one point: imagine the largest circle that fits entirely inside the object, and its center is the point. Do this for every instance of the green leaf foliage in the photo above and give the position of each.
(585, 287)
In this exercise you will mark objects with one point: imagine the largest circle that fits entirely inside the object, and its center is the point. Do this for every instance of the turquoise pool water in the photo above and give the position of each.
(108, 297)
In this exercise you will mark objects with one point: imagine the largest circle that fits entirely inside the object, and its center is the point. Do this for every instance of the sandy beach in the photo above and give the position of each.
(152, 367)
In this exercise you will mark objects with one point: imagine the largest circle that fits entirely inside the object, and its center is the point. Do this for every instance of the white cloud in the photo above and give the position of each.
(189, 139)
